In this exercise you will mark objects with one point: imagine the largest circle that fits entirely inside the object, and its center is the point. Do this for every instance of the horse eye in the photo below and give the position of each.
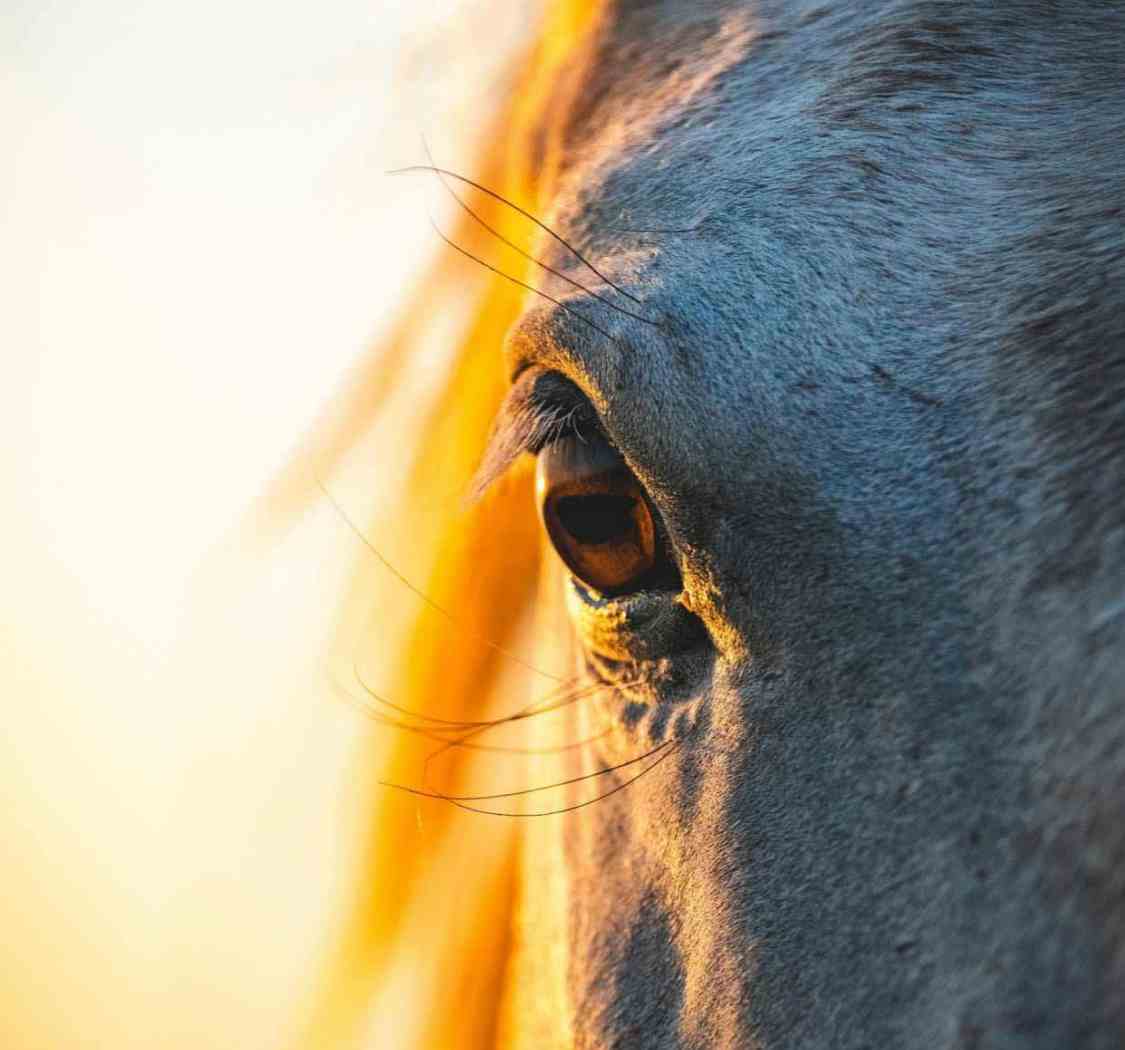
(596, 515)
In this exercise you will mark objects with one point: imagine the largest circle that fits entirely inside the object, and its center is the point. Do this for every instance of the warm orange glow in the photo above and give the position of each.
(420, 958)
(195, 854)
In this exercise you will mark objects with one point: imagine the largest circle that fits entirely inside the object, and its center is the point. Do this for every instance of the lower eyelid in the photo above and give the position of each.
(643, 626)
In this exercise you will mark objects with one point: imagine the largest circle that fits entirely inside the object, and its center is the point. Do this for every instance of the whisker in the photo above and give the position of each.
(513, 750)
(578, 805)
(433, 170)
(522, 284)
(544, 705)
(527, 791)
(519, 716)
(362, 537)
(434, 732)
(527, 255)
(593, 687)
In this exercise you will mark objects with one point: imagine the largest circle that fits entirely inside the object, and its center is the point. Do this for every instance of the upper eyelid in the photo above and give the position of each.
(539, 408)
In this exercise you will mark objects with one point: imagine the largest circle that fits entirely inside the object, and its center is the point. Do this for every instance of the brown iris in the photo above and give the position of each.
(596, 514)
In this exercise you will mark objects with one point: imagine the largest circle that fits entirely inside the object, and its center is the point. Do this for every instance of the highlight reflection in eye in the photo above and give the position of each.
(596, 514)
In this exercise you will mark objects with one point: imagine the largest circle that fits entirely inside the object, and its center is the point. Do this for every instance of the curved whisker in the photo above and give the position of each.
(434, 733)
(527, 791)
(415, 169)
(522, 284)
(531, 258)
(578, 805)
(449, 745)
(514, 750)
(417, 591)
(531, 711)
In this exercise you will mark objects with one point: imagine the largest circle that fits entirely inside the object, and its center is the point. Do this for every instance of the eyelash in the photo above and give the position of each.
(554, 422)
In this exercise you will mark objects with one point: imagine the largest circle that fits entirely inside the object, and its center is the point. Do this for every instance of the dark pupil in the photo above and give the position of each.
(596, 519)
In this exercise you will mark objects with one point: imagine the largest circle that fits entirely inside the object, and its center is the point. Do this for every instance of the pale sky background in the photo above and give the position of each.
(196, 241)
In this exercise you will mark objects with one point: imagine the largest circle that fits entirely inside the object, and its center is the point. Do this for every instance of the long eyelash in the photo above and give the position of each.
(521, 284)
(559, 422)
(362, 537)
(666, 749)
(433, 170)
(526, 255)
(530, 430)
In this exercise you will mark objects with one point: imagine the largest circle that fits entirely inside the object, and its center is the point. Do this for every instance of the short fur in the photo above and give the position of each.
(884, 421)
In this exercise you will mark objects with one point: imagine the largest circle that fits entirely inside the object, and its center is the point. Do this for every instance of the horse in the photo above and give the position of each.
(819, 353)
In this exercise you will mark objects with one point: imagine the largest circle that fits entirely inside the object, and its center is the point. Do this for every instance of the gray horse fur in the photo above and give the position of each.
(883, 420)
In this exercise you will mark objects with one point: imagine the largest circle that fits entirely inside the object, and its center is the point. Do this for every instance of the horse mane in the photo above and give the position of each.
(417, 959)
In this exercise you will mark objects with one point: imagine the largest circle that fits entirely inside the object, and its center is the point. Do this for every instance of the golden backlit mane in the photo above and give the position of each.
(419, 959)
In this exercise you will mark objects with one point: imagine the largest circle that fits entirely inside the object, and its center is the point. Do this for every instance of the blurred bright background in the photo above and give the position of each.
(197, 243)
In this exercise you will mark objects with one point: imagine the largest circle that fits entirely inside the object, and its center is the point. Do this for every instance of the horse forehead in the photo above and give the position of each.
(681, 112)
(867, 148)
(843, 195)
(660, 67)
(680, 92)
